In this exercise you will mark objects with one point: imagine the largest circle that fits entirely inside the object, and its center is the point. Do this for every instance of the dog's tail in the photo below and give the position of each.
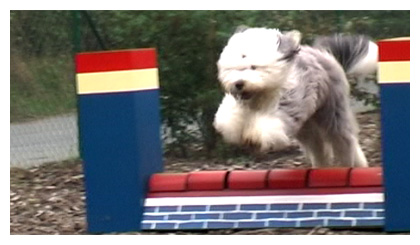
(357, 54)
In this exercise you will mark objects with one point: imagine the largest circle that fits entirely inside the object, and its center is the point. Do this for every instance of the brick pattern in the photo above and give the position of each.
(187, 217)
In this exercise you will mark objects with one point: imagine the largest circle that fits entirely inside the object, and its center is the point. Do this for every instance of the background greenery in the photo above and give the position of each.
(188, 42)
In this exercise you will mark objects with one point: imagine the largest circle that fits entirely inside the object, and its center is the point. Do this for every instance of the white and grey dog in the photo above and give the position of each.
(277, 89)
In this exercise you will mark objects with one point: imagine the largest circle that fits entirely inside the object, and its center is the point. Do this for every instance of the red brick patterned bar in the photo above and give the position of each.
(265, 181)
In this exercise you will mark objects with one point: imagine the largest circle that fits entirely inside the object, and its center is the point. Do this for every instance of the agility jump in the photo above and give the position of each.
(119, 122)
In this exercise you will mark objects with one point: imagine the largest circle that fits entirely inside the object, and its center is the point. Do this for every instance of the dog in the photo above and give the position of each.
(277, 89)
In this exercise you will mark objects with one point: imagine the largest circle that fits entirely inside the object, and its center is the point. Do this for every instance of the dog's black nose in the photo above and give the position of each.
(239, 85)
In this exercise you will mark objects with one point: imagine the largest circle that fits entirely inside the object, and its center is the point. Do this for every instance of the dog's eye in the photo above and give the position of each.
(243, 56)
(253, 67)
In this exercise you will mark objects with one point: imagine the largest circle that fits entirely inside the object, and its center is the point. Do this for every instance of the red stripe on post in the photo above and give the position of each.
(366, 177)
(394, 50)
(206, 180)
(244, 179)
(328, 177)
(116, 60)
(287, 178)
(168, 182)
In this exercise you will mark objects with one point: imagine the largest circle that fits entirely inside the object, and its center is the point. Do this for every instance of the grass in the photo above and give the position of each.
(41, 87)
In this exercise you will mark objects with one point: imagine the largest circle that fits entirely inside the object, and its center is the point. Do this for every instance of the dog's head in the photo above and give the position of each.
(256, 60)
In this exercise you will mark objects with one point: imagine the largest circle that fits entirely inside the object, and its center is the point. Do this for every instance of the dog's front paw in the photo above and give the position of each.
(252, 145)
(266, 134)
(265, 143)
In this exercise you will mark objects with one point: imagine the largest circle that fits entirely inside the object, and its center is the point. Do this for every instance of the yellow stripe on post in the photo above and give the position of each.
(396, 39)
(117, 81)
(394, 72)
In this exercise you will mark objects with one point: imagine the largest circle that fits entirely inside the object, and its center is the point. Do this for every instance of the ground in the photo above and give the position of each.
(49, 199)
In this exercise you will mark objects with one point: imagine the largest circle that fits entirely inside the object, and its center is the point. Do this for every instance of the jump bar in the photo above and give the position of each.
(331, 197)
(289, 179)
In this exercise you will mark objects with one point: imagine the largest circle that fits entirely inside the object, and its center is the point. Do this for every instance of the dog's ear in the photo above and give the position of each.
(289, 44)
(295, 36)
(241, 28)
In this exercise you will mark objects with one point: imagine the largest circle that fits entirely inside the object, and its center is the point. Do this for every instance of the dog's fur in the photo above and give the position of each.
(277, 89)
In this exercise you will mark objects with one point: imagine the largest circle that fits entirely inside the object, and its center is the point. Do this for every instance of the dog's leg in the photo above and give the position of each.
(341, 128)
(344, 140)
(315, 145)
(360, 158)
(348, 152)
(229, 120)
(318, 152)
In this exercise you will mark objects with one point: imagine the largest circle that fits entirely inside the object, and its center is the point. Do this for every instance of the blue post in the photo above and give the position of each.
(120, 135)
(394, 79)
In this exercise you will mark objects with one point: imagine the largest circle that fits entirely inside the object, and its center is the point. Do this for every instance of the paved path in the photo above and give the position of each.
(47, 140)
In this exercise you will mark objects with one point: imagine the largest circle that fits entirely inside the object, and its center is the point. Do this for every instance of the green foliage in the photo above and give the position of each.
(188, 44)
(41, 87)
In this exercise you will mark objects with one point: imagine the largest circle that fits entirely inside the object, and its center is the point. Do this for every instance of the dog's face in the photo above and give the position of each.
(256, 60)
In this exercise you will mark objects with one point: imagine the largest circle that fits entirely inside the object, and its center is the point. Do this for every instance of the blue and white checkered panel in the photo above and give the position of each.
(217, 216)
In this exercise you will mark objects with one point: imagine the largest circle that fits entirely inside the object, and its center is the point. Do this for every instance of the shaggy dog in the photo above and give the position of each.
(277, 89)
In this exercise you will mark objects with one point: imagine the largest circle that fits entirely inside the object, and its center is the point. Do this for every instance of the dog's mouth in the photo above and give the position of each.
(243, 95)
